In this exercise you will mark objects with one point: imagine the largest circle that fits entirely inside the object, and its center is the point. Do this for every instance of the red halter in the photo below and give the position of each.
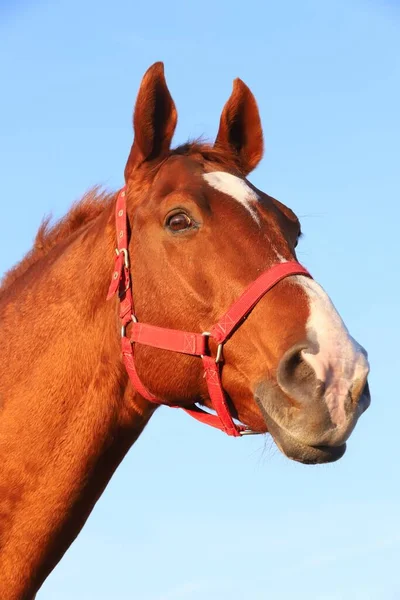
(186, 342)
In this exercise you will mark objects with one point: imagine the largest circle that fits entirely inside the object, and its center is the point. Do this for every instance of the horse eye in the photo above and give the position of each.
(179, 222)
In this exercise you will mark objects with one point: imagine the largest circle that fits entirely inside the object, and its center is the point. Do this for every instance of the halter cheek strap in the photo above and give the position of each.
(185, 342)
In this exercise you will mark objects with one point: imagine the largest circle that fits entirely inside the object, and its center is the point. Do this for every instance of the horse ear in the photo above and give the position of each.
(154, 120)
(240, 130)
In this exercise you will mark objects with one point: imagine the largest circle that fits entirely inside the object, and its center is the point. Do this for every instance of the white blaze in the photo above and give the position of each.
(339, 360)
(236, 188)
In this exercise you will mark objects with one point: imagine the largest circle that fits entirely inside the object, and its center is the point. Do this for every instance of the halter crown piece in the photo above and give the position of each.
(186, 342)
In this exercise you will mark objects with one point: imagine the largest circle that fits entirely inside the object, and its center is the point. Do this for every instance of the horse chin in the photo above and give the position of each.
(299, 451)
(292, 445)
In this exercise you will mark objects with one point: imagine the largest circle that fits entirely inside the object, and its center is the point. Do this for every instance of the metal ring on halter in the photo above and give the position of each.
(218, 357)
(249, 432)
(123, 328)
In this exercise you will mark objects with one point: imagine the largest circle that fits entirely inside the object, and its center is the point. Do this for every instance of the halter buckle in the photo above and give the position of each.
(123, 251)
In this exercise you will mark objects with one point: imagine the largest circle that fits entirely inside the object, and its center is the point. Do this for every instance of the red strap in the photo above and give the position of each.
(256, 290)
(116, 276)
(217, 395)
(169, 339)
(127, 353)
(212, 420)
(120, 280)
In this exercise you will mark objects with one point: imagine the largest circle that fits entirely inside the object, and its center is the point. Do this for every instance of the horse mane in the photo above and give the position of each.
(82, 212)
(90, 206)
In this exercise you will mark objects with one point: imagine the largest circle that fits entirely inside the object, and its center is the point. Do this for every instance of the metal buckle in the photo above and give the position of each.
(123, 328)
(123, 251)
(249, 432)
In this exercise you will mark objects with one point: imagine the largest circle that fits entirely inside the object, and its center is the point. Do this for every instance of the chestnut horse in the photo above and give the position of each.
(199, 235)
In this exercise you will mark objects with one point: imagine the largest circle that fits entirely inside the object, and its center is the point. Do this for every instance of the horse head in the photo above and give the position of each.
(200, 233)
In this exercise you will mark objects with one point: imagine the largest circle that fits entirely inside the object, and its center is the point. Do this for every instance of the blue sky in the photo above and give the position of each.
(191, 514)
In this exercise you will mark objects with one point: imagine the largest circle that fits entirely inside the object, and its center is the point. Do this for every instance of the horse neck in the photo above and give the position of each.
(67, 412)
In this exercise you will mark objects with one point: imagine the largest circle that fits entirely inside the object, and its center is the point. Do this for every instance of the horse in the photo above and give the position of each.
(213, 311)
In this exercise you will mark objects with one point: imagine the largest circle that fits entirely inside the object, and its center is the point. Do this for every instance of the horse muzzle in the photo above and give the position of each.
(311, 417)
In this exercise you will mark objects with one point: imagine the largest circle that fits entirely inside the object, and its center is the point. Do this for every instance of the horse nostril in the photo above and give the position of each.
(297, 378)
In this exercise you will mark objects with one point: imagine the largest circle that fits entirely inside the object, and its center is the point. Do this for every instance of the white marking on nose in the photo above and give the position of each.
(339, 361)
(236, 188)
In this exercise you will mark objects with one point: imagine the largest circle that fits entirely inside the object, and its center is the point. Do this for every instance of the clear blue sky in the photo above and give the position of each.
(192, 514)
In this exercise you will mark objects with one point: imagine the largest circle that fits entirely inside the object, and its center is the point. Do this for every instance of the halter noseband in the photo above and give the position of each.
(184, 342)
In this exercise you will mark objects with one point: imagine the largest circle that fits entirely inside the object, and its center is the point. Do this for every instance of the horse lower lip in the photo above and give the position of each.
(308, 454)
(297, 450)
